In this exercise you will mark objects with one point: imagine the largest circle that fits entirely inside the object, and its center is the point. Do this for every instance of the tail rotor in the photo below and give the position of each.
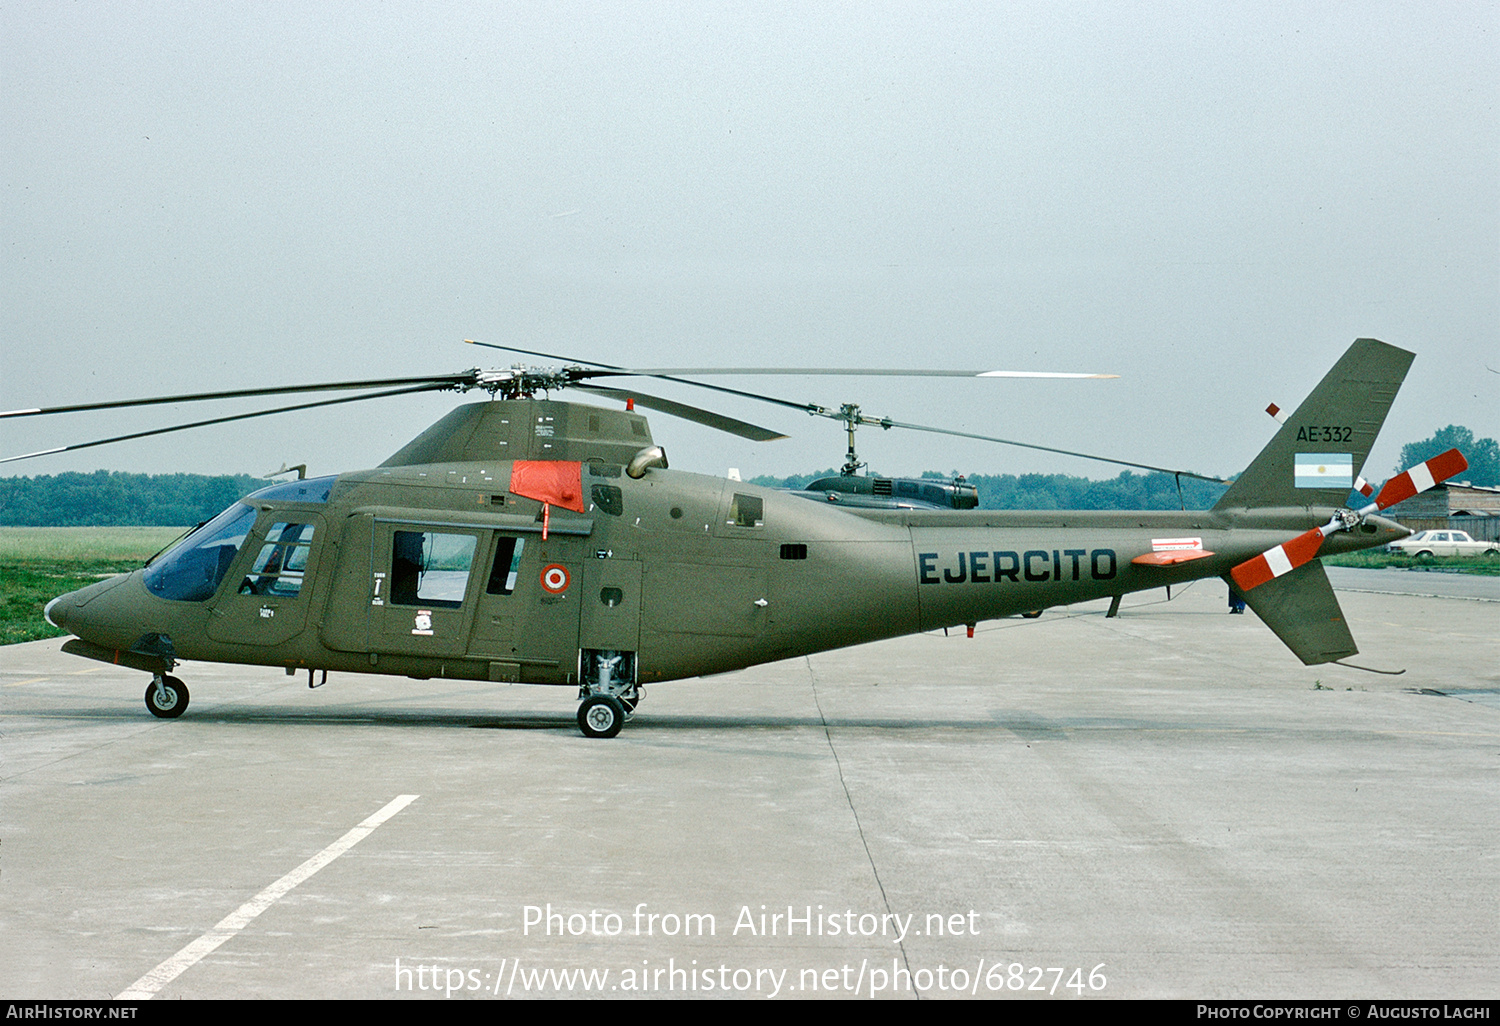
(1289, 555)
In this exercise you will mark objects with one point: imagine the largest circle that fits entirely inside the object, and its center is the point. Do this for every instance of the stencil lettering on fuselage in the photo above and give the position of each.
(1006, 566)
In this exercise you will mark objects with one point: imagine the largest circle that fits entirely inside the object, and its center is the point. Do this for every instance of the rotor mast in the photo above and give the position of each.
(850, 414)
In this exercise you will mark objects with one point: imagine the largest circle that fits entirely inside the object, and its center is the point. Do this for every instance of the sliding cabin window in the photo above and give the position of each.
(430, 568)
(506, 566)
(280, 567)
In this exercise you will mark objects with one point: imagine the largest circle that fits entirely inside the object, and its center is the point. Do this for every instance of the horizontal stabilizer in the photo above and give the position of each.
(1302, 610)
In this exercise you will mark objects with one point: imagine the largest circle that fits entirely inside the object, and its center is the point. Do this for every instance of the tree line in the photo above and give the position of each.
(105, 499)
(1160, 491)
(1483, 454)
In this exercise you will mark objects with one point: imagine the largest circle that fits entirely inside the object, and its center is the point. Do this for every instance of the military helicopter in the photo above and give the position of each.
(525, 539)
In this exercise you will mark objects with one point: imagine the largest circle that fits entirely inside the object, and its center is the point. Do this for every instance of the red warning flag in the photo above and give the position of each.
(554, 482)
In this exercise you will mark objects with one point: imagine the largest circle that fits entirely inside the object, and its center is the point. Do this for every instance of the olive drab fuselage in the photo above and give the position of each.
(693, 574)
(534, 541)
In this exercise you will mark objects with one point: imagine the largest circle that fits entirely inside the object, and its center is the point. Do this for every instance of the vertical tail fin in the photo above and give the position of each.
(1316, 457)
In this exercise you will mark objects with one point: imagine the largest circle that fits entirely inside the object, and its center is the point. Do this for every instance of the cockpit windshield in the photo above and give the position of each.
(193, 570)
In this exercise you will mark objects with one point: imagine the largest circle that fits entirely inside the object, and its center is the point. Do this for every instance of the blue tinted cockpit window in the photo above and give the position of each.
(192, 571)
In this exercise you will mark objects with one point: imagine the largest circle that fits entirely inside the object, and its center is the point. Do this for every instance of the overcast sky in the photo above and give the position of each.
(1210, 200)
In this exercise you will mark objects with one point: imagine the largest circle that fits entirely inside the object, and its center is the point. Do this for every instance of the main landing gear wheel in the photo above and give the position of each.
(601, 716)
(173, 704)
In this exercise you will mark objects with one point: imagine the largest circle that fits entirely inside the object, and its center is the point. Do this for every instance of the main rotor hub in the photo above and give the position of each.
(522, 382)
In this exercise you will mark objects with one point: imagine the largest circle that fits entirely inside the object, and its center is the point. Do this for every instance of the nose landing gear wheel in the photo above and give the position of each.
(173, 704)
(601, 716)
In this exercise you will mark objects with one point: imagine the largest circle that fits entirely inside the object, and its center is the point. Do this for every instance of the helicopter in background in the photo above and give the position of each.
(530, 540)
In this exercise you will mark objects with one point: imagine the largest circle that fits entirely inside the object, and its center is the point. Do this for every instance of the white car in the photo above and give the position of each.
(1426, 544)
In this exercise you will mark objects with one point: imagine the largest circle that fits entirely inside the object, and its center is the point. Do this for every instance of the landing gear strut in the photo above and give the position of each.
(608, 691)
(166, 696)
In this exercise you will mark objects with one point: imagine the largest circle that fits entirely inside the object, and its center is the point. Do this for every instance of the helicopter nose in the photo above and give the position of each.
(100, 613)
(63, 611)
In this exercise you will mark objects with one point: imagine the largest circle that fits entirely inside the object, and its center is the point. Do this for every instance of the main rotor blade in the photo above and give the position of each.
(858, 372)
(225, 420)
(544, 356)
(666, 374)
(803, 407)
(820, 411)
(1043, 448)
(707, 418)
(430, 381)
(669, 372)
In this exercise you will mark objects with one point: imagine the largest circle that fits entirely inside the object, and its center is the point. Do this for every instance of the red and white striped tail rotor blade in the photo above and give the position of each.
(1282, 559)
(1420, 478)
(1288, 556)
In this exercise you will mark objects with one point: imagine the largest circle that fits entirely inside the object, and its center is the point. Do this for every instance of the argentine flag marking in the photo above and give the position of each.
(1324, 470)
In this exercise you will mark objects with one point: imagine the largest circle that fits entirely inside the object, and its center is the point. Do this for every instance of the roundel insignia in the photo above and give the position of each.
(555, 579)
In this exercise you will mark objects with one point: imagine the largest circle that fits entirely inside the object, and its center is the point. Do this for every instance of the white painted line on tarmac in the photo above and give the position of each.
(146, 987)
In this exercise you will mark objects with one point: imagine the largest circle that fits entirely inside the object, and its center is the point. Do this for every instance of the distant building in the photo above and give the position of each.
(1457, 506)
